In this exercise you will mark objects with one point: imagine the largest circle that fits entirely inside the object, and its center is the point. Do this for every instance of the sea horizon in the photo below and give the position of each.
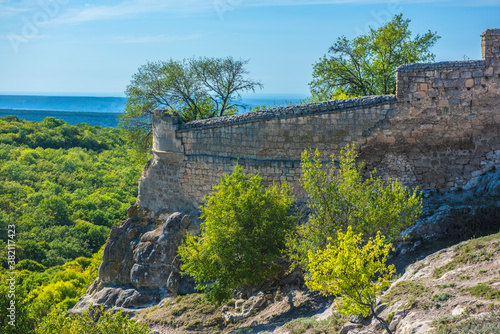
(102, 110)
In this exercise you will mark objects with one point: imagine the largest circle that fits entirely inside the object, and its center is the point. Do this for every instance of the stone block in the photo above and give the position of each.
(466, 74)
(390, 139)
(437, 83)
(432, 93)
(477, 73)
(454, 75)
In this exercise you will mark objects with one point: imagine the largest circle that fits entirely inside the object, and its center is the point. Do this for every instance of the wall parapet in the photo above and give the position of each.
(290, 111)
(443, 65)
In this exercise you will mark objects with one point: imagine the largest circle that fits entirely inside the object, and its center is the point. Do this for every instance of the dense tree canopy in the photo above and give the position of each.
(63, 186)
(196, 88)
(366, 65)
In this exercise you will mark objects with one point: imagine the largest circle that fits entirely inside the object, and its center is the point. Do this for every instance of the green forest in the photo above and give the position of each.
(62, 188)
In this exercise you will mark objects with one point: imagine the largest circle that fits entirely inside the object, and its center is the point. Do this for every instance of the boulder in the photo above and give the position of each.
(140, 265)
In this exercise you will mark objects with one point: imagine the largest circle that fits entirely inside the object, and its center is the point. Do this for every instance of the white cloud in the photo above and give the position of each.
(128, 9)
(6, 11)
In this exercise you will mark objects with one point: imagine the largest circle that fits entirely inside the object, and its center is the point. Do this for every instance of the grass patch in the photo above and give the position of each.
(444, 286)
(473, 251)
(406, 290)
(456, 325)
(190, 312)
(442, 297)
(390, 317)
(483, 290)
(310, 325)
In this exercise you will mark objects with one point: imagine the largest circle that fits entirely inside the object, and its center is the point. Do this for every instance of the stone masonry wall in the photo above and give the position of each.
(267, 142)
(441, 130)
(446, 131)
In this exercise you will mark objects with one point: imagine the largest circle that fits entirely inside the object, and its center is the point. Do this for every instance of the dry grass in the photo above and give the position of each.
(186, 313)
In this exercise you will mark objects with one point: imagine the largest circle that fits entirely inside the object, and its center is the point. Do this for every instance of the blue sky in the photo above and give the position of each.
(94, 47)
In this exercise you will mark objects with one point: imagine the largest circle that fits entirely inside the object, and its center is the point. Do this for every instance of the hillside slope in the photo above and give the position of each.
(455, 290)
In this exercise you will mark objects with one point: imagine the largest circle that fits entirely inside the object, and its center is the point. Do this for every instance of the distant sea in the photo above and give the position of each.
(102, 111)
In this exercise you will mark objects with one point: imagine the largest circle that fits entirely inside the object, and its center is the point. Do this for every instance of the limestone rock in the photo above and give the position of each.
(248, 307)
(140, 265)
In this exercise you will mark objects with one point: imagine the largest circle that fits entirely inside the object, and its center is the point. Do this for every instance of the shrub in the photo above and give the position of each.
(483, 290)
(93, 321)
(30, 265)
(243, 235)
(353, 269)
(342, 197)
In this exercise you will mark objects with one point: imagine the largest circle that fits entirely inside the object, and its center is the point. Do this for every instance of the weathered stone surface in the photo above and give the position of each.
(442, 222)
(253, 304)
(127, 298)
(140, 263)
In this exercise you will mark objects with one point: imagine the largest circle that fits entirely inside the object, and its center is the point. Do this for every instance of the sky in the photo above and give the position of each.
(93, 48)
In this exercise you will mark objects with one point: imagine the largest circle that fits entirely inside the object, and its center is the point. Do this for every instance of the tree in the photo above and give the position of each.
(367, 64)
(196, 88)
(19, 314)
(95, 320)
(342, 196)
(243, 235)
(55, 210)
(354, 269)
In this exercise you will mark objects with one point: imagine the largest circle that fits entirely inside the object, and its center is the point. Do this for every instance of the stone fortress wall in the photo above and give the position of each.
(440, 131)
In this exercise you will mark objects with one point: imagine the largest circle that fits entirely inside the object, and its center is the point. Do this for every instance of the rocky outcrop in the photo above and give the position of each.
(461, 213)
(140, 265)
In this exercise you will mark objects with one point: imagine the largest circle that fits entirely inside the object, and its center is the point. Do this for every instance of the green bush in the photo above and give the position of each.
(243, 235)
(340, 195)
(353, 269)
(30, 265)
(93, 321)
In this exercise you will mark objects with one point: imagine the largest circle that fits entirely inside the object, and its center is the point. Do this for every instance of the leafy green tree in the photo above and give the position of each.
(30, 265)
(354, 269)
(243, 235)
(20, 315)
(196, 88)
(96, 320)
(33, 250)
(343, 196)
(55, 210)
(367, 64)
